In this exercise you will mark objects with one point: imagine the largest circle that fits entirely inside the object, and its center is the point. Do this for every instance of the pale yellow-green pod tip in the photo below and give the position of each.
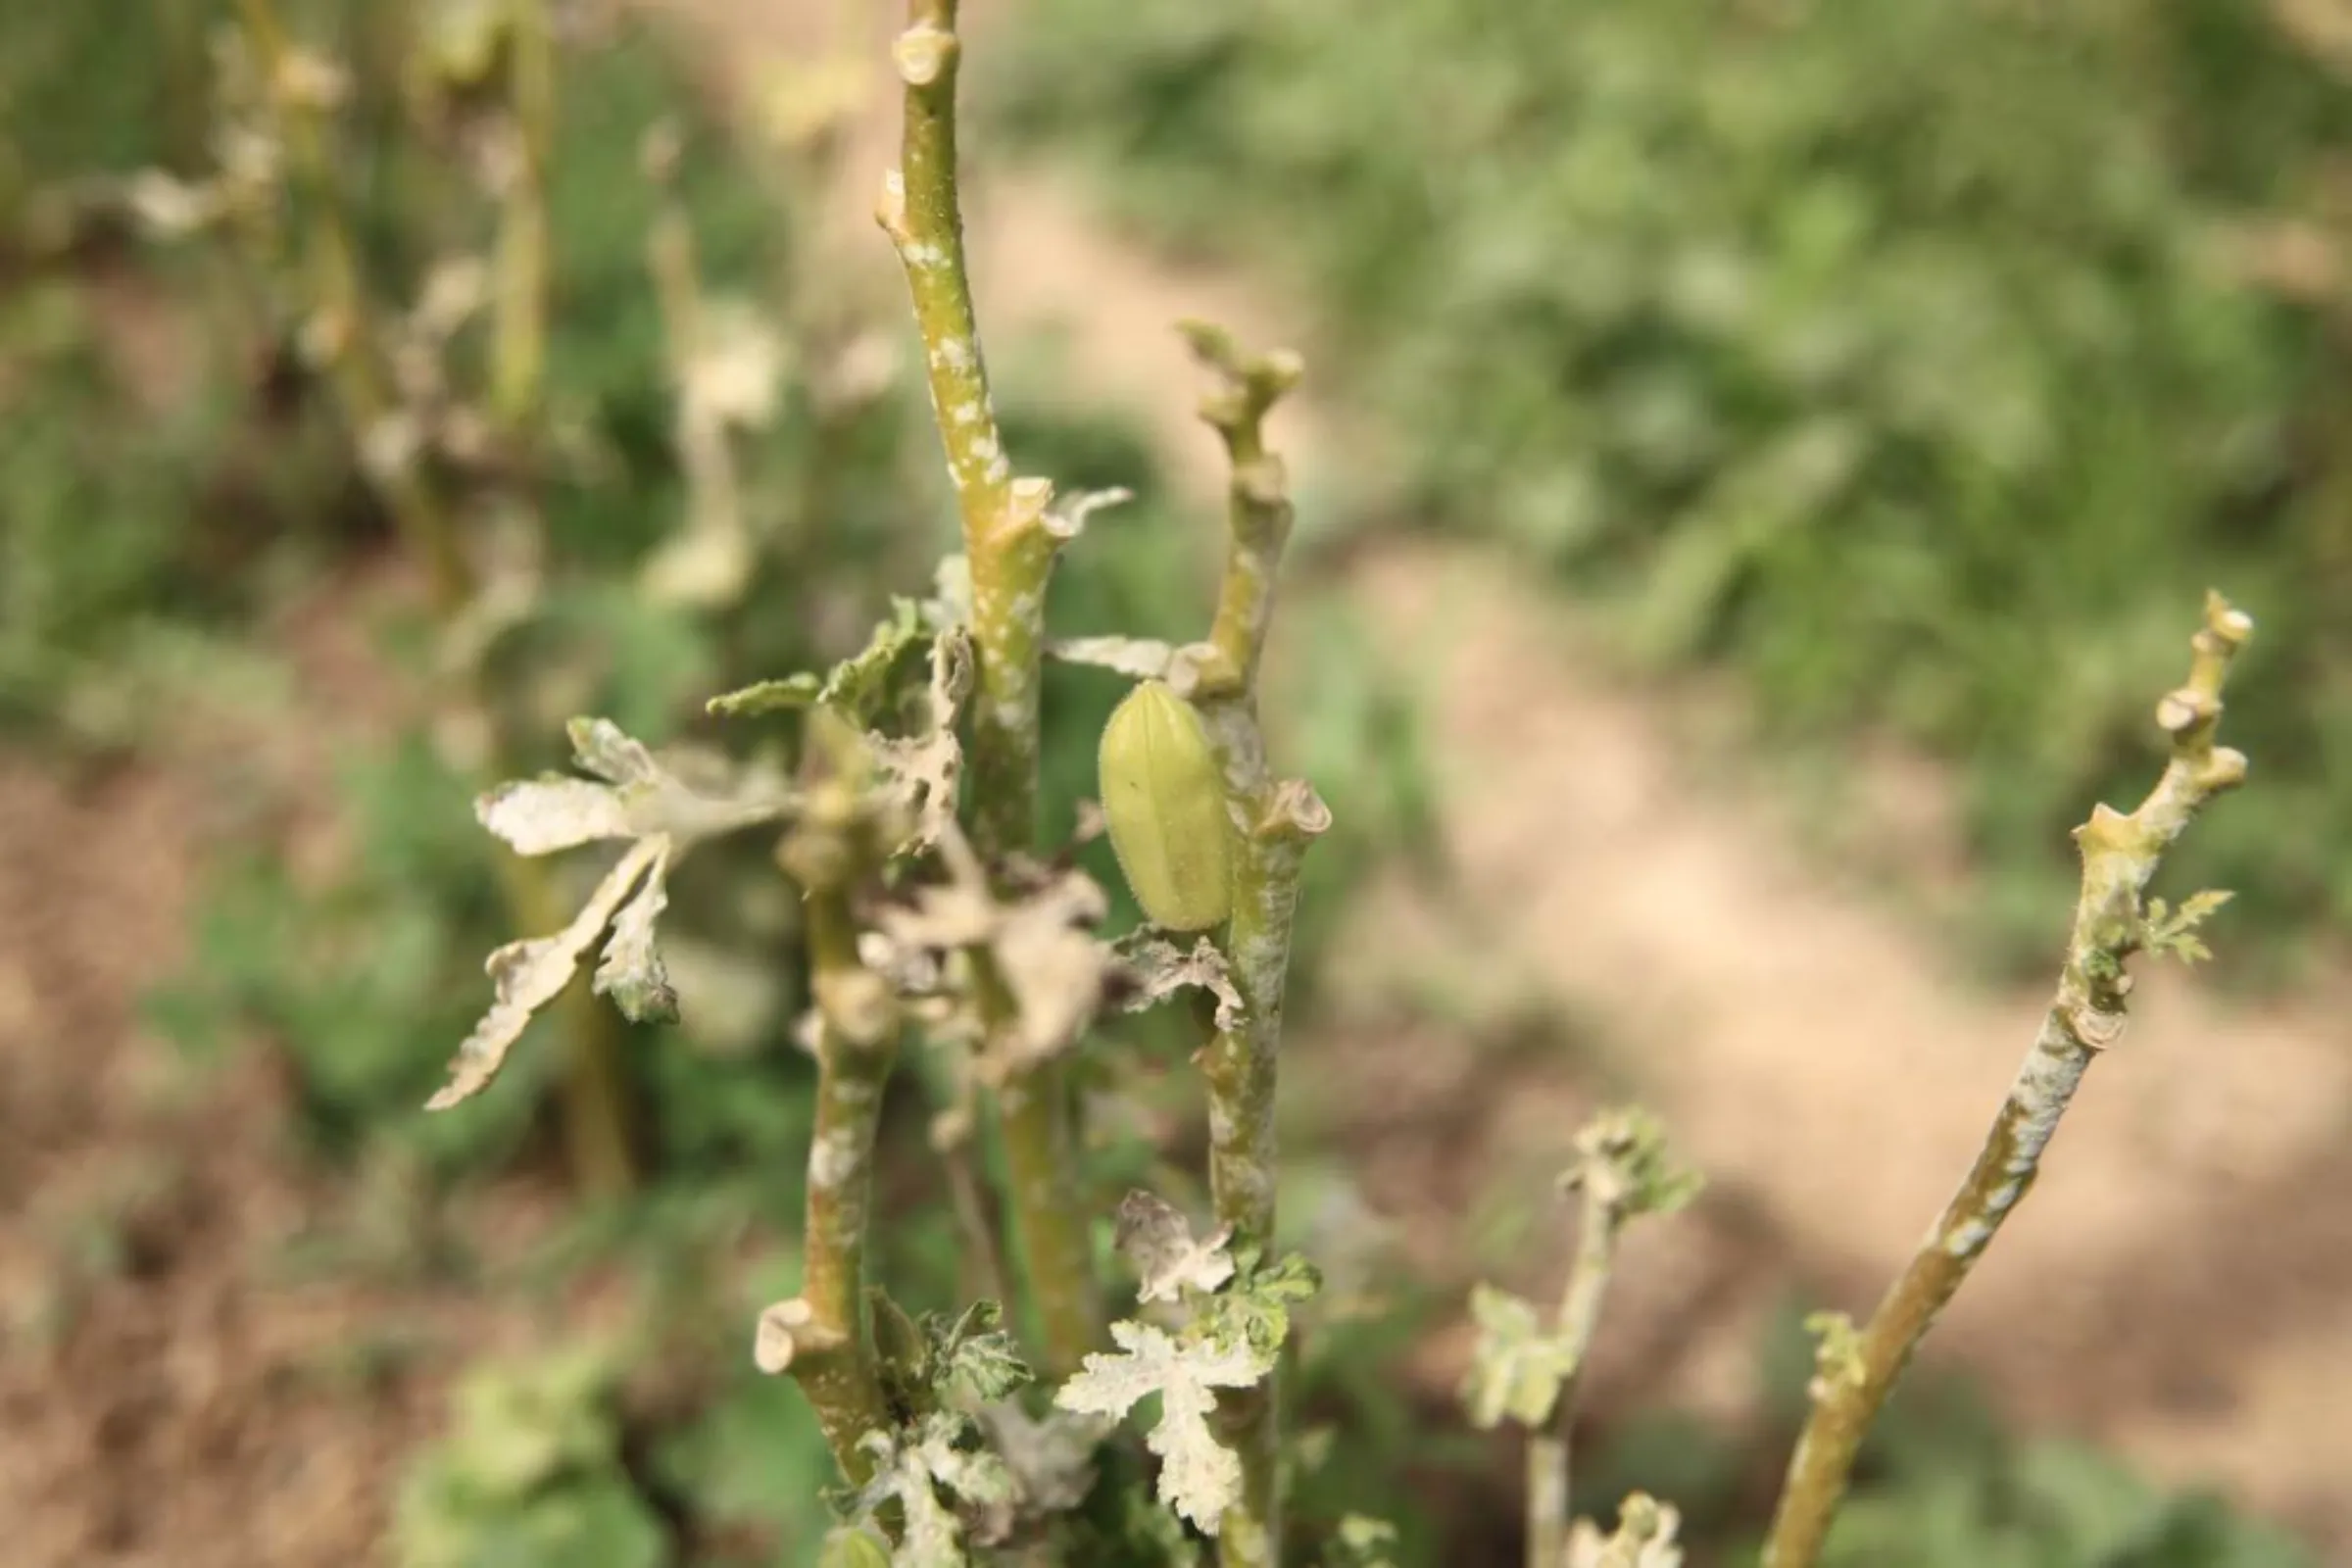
(1164, 800)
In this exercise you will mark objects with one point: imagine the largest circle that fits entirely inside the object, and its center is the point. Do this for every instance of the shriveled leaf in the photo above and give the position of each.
(603, 748)
(1145, 658)
(631, 973)
(1040, 940)
(1644, 1538)
(928, 766)
(639, 797)
(857, 685)
(529, 974)
(1517, 1368)
(1159, 1240)
(538, 816)
(1199, 1477)
(784, 694)
(1054, 965)
(1161, 969)
(1052, 1459)
(1066, 518)
(914, 1467)
(975, 1351)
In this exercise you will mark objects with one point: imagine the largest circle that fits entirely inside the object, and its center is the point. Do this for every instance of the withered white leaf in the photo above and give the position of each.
(1146, 658)
(1162, 969)
(1052, 1457)
(1159, 1240)
(914, 1468)
(1198, 1476)
(1040, 941)
(631, 973)
(639, 800)
(638, 797)
(529, 974)
(1067, 518)
(927, 766)
(1644, 1538)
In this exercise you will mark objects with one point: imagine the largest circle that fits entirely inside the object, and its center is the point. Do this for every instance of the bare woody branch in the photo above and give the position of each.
(2121, 854)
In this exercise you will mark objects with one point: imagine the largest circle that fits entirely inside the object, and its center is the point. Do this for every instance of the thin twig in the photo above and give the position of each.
(2121, 854)
(823, 1336)
(1273, 821)
(1621, 1173)
(596, 1118)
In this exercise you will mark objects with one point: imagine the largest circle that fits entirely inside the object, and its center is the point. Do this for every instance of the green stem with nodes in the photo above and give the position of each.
(596, 1120)
(1274, 822)
(1621, 1173)
(2121, 854)
(1547, 1474)
(823, 1337)
(1010, 551)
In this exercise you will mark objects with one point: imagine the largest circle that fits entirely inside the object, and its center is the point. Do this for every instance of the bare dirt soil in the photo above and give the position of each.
(174, 1389)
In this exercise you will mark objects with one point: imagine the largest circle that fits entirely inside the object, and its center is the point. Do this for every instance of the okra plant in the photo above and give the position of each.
(942, 934)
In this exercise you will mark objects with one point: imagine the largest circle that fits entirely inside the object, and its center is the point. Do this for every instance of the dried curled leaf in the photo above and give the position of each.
(946, 1488)
(1040, 940)
(1143, 658)
(924, 766)
(1159, 969)
(928, 764)
(637, 799)
(1199, 1477)
(1052, 1457)
(529, 974)
(1644, 1538)
(857, 685)
(1157, 1240)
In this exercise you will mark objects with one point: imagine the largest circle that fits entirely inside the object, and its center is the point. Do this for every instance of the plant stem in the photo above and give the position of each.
(1602, 1220)
(822, 1336)
(1273, 824)
(1011, 555)
(341, 316)
(598, 1134)
(518, 349)
(2121, 854)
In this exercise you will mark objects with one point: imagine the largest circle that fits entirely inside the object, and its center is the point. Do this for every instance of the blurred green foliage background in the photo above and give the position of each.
(1923, 364)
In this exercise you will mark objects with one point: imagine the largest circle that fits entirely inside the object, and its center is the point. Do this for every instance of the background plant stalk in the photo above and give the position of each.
(1011, 556)
(1273, 822)
(598, 1131)
(2121, 854)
